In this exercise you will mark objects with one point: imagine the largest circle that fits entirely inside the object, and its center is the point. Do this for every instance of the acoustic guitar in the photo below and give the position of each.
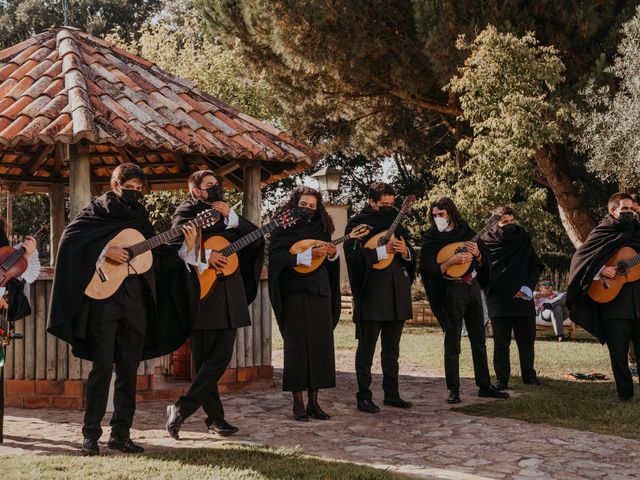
(304, 245)
(448, 251)
(626, 261)
(381, 239)
(108, 278)
(219, 244)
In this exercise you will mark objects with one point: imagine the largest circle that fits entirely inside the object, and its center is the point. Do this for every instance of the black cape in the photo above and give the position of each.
(250, 258)
(514, 263)
(359, 266)
(602, 242)
(281, 262)
(432, 278)
(170, 305)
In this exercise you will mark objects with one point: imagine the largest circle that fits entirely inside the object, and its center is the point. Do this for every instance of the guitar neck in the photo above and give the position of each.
(153, 242)
(249, 238)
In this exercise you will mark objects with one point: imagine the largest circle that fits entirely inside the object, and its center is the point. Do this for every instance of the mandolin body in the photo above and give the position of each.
(372, 244)
(448, 251)
(302, 245)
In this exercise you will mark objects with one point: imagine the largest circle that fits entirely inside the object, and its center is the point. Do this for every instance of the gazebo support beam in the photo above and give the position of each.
(252, 197)
(56, 215)
(79, 179)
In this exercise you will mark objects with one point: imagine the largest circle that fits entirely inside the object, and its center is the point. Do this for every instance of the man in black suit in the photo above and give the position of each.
(382, 297)
(514, 273)
(223, 311)
(617, 322)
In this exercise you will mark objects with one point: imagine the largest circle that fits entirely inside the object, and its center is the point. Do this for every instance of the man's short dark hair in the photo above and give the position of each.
(378, 189)
(635, 197)
(127, 171)
(616, 198)
(503, 210)
(195, 179)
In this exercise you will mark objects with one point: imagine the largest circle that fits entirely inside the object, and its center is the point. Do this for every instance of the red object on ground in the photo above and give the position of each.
(182, 361)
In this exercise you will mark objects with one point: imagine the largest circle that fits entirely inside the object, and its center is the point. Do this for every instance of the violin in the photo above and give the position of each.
(12, 261)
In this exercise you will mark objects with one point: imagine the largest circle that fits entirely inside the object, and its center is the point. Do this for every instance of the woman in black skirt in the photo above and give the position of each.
(307, 305)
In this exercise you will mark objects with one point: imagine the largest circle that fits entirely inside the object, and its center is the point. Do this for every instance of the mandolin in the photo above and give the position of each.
(626, 261)
(219, 244)
(382, 238)
(448, 251)
(303, 245)
(108, 278)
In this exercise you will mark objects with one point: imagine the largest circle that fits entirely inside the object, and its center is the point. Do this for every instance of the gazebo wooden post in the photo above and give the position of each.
(252, 197)
(79, 179)
(79, 196)
(56, 218)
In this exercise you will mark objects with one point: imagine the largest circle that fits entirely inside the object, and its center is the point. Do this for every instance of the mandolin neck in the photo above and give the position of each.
(387, 236)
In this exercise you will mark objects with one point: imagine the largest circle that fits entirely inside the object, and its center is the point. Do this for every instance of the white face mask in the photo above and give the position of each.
(441, 223)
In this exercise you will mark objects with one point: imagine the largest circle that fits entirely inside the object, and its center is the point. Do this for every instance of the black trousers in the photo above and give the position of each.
(619, 332)
(524, 331)
(368, 333)
(211, 352)
(464, 303)
(116, 331)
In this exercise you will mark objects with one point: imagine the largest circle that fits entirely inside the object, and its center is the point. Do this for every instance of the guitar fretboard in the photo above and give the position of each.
(384, 240)
(249, 238)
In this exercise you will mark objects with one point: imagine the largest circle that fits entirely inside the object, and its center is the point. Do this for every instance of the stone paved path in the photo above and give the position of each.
(429, 441)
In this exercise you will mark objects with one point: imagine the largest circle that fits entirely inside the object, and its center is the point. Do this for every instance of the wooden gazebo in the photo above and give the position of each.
(73, 107)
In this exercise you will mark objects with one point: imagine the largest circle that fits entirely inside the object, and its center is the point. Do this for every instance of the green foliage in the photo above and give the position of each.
(30, 212)
(161, 205)
(20, 19)
(611, 122)
(507, 89)
(175, 43)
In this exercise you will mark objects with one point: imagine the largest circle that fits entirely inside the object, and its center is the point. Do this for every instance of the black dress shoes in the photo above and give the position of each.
(491, 392)
(397, 402)
(454, 397)
(174, 421)
(501, 386)
(368, 406)
(125, 445)
(532, 381)
(317, 413)
(221, 427)
(90, 447)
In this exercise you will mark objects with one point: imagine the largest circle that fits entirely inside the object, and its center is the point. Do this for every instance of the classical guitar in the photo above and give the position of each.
(219, 244)
(303, 245)
(382, 238)
(12, 261)
(108, 278)
(626, 261)
(448, 251)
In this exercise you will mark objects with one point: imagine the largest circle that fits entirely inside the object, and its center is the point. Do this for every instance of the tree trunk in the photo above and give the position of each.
(573, 213)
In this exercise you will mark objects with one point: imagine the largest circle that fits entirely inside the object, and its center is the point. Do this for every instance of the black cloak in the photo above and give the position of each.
(170, 300)
(514, 263)
(602, 242)
(281, 264)
(433, 279)
(250, 258)
(360, 265)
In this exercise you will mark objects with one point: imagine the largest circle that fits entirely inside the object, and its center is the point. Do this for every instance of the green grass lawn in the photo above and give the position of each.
(559, 402)
(224, 462)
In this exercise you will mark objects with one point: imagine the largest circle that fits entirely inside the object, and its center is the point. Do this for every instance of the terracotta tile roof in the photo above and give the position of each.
(64, 86)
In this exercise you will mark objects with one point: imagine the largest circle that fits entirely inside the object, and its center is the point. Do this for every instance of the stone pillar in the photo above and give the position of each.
(79, 179)
(56, 218)
(252, 197)
(339, 215)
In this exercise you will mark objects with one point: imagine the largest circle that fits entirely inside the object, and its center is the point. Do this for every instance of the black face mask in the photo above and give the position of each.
(307, 213)
(131, 196)
(214, 193)
(626, 217)
(385, 209)
(509, 228)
